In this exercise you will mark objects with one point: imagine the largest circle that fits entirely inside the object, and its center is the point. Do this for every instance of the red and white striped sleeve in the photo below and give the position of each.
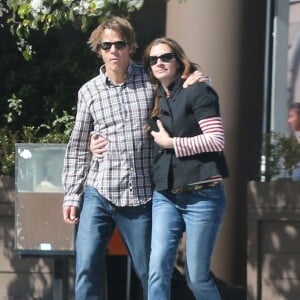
(211, 140)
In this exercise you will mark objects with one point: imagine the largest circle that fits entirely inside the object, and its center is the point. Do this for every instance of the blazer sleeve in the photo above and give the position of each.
(204, 101)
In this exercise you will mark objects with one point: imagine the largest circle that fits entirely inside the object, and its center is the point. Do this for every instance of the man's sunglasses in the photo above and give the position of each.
(167, 57)
(107, 45)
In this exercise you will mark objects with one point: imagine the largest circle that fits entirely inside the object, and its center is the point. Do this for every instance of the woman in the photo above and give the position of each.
(188, 168)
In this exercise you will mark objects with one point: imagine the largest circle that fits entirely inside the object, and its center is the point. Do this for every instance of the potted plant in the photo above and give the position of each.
(279, 156)
(56, 132)
(273, 204)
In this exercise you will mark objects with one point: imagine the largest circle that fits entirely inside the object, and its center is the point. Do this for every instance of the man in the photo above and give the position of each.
(294, 117)
(294, 122)
(117, 187)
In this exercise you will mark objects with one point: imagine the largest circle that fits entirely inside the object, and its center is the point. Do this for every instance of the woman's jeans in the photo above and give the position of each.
(199, 214)
(98, 219)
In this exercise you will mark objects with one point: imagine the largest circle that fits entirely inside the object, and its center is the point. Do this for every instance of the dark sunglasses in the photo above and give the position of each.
(107, 45)
(167, 57)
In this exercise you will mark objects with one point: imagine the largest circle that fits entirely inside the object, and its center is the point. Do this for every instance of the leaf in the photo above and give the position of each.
(27, 55)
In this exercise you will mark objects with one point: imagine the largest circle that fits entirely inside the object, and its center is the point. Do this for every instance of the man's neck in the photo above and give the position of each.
(116, 76)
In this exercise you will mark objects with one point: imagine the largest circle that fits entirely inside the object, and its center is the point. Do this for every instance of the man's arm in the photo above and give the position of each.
(78, 156)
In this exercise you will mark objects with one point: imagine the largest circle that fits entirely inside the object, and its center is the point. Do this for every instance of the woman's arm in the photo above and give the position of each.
(212, 139)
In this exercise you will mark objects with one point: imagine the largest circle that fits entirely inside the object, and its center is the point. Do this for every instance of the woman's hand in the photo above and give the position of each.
(161, 137)
(97, 145)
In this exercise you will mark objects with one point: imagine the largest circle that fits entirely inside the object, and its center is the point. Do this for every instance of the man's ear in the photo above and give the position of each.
(131, 51)
(99, 54)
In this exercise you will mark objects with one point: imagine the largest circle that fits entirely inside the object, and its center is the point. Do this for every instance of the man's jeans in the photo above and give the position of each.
(199, 214)
(98, 219)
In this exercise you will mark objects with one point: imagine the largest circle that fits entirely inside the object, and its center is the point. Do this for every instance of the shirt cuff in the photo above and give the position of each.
(68, 201)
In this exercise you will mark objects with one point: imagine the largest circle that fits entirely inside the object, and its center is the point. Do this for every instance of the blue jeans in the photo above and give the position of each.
(98, 219)
(199, 214)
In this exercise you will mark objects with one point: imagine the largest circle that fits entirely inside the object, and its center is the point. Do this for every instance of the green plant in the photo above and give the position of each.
(58, 131)
(24, 17)
(38, 97)
(280, 154)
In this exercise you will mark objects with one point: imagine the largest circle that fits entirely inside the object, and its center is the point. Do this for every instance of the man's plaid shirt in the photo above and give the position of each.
(120, 113)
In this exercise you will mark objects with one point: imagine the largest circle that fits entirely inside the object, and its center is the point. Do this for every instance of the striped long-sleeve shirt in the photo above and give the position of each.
(211, 139)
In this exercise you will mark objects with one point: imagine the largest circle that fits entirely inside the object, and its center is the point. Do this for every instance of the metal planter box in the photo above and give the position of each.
(39, 225)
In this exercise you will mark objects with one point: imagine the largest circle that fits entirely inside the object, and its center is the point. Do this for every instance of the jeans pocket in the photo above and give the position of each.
(209, 193)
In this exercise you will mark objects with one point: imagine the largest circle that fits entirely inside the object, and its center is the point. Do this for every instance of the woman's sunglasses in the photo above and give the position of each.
(107, 45)
(167, 57)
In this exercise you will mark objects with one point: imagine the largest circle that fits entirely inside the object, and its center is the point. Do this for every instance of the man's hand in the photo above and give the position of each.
(97, 145)
(71, 214)
(161, 137)
(195, 77)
